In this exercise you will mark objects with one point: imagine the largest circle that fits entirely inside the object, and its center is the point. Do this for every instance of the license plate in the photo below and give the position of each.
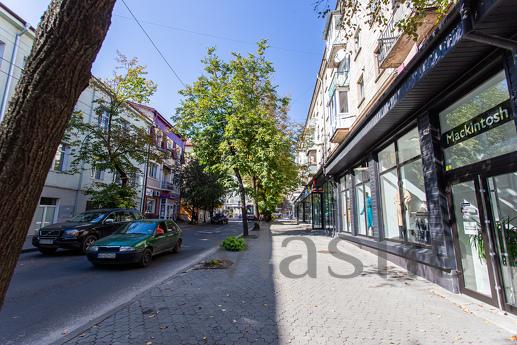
(106, 255)
(44, 241)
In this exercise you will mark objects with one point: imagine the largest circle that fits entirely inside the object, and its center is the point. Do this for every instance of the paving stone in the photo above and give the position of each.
(253, 302)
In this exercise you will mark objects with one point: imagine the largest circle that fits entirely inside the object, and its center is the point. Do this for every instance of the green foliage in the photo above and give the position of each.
(119, 140)
(234, 244)
(238, 124)
(200, 188)
(111, 196)
(378, 12)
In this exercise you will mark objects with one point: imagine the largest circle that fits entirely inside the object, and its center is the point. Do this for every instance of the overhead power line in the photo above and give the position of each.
(154, 44)
(287, 49)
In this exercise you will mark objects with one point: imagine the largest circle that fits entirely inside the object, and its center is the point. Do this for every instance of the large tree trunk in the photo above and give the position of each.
(244, 210)
(58, 70)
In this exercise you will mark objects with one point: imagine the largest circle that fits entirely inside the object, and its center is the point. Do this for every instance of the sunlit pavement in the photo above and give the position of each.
(254, 302)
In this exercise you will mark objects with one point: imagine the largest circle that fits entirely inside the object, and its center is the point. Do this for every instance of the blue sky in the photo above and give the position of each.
(184, 29)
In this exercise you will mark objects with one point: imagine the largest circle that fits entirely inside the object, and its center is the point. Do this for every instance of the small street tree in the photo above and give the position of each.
(119, 141)
(201, 189)
(58, 69)
(230, 115)
(380, 11)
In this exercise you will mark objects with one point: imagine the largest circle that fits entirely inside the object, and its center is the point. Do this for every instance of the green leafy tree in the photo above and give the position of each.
(201, 189)
(379, 12)
(120, 140)
(230, 113)
(111, 195)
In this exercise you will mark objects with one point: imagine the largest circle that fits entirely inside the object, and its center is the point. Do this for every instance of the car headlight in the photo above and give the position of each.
(93, 249)
(71, 233)
(127, 249)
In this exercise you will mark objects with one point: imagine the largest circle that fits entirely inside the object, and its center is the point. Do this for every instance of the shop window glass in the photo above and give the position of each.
(403, 199)
(392, 215)
(479, 126)
(415, 202)
(363, 210)
(409, 145)
(316, 209)
(346, 205)
(387, 159)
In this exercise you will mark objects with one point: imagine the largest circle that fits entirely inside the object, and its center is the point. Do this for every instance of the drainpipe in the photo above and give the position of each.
(480, 37)
(81, 173)
(14, 55)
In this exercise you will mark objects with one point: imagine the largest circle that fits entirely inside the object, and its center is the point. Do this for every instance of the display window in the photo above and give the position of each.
(403, 198)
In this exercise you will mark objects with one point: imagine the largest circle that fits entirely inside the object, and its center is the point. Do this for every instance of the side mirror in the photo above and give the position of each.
(109, 221)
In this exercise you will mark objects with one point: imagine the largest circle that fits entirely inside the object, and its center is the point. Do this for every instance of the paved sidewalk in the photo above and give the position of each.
(253, 303)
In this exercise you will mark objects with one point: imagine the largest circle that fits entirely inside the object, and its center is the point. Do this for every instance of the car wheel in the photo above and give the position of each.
(47, 251)
(147, 256)
(177, 246)
(88, 241)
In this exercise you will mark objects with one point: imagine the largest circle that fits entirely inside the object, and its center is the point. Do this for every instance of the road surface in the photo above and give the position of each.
(50, 296)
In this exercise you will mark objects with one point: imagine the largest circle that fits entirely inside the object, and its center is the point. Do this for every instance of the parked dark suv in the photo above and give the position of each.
(82, 230)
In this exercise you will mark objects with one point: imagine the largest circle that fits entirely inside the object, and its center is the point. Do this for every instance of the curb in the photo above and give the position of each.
(28, 250)
(81, 329)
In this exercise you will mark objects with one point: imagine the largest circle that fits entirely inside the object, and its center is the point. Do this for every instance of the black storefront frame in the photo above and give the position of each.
(479, 172)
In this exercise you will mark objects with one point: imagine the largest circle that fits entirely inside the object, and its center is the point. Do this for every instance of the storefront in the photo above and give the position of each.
(310, 206)
(429, 178)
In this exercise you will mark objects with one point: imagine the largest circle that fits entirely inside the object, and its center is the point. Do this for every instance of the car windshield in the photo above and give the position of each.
(141, 228)
(89, 217)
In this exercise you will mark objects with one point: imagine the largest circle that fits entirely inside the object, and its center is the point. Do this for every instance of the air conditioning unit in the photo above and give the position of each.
(156, 193)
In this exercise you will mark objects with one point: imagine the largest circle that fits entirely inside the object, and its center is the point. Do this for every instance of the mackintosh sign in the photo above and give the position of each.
(492, 118)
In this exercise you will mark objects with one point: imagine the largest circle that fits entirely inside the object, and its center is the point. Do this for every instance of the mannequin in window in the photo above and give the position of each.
(401, 207)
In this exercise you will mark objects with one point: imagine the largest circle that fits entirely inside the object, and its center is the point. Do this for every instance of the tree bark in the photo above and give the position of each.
(58, 70)
(244, 210)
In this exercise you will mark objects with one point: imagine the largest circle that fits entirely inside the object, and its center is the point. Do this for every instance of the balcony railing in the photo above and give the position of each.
(339, 79)
(168, 185)
(340, 128)
(394, 45)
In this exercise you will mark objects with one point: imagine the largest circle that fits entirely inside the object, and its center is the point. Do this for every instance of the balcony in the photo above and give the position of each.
(340, 79)
(340, 128)
(168, 185)
(394, 45)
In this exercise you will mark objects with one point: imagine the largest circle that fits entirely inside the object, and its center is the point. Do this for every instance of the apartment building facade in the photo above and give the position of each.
(426, 173)
(162, 181)
(62, 196)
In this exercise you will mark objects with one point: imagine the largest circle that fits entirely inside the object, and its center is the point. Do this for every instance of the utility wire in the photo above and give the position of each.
(220, 37)
(154, 44)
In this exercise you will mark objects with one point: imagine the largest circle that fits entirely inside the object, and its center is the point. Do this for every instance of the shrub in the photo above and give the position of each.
(234, 244)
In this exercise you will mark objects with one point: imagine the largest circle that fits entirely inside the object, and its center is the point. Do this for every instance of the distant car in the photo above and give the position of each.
(219, 218)
(137, 243)
(82, 230)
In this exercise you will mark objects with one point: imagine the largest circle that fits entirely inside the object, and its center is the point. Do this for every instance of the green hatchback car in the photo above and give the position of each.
(136, 243)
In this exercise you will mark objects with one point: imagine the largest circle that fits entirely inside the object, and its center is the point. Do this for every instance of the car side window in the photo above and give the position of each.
(164, 227)
(112, 216)
(171, 226)
(128, 217)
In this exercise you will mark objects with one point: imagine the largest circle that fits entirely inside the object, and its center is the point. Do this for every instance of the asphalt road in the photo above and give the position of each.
(50, 296)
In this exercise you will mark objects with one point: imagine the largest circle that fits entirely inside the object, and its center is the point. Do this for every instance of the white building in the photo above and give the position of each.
(62, 195)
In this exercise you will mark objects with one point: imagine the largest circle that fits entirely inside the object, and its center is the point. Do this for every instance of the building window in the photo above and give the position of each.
(62, 158)
(103, 121)
(150, 206)
(363, 201)
(346, 202)
(97, 174)
(404, 203)
(479, 126)
(343, 101)
(153, 170)
(360, 90)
